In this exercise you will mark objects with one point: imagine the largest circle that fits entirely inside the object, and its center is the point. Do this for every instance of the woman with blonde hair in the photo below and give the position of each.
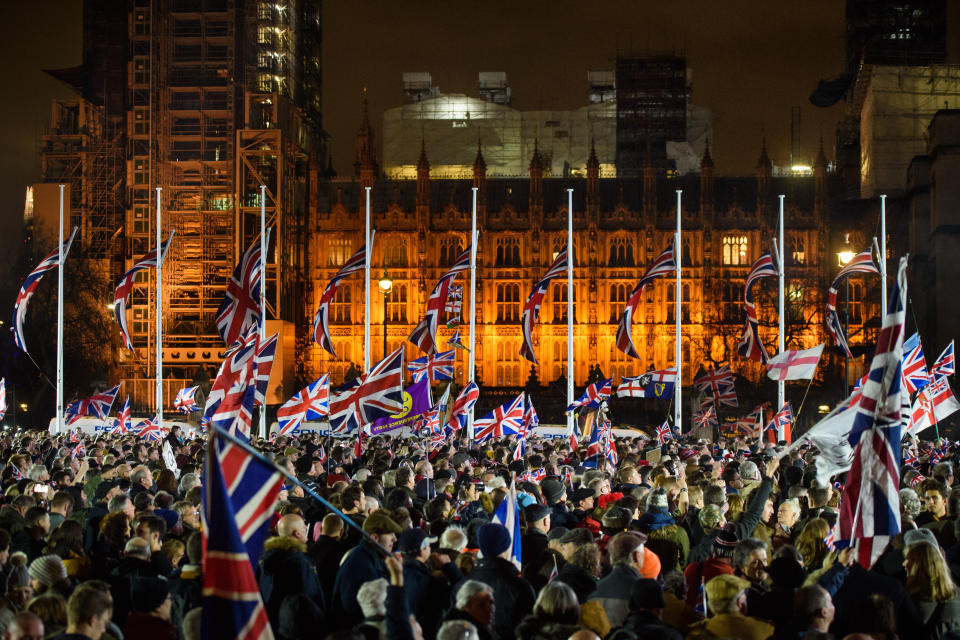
(932, 589)
(811, 543)
(556, 614)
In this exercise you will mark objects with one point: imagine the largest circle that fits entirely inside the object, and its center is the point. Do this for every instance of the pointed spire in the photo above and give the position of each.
(536, 161)
(706, 162)
(764, 161)
(479, 164)
(592, 161)
(422, 162)
(821, 160)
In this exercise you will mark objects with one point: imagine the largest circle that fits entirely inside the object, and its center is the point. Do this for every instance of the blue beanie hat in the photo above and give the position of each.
(493, 539)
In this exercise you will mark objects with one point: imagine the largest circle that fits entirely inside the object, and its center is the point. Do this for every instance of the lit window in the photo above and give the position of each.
(734, 251)
(397, 304)
(618, 300)
(797, 253)
(395, 253)
(340, 307)
(339, 251)
(508, 303)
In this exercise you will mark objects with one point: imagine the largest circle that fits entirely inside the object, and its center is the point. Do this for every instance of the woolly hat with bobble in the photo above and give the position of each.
(48, 570)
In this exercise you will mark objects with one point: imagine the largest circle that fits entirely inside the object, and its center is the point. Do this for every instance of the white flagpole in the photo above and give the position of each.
(159, 308)
(571, 417)
(366, 289)
(60, 319)
(678, 256)
(263, 293)
(883, 255)
(471, 362)
(781, 391)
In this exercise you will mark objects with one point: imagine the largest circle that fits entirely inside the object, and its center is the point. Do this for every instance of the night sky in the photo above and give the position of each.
(752, 61)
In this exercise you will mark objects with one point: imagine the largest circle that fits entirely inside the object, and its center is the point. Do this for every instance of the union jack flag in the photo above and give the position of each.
(437, 366)
(534, 475)
(915, 375)
(3, 397)
(121, 424)
(467, 397)
(262, 364)
(29, 286)
(321, 321)
(530, 420)
(454, 302)
(424, 334)
(532, 306)
(17, 475)
(938, 453)
(751, 423)
(226, 405)
(310, 403)
(750, 345)
(944, 365)
(596, 435)
(910, 459)
(611, 449)
(719, 384)
(663, 434)
(79, 450)
(706, 418)
(321, 454)
(121, 294)
(239, 495)
(663, 265)
(186, 400)
(503, 421)
(240, 309)
(149, 429)
(98, 405)
(378, 394)
(779, 426)
(861, 263)
(870, 508)
(594, 394)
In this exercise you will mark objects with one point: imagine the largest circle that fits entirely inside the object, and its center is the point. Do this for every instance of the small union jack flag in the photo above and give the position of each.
(944, 365)
(663, 434)
(378, 394)
(910, 459)
(594, 394)
(534, 475)
(719, 384)
(262, 364)
(121, 423)
(149, 429)
(504, 420)
(310, 403)
(779, 427)
(915, 375)
(98, 405)
(186, 400)
(467, 397)
(706, 418)
(663, 265)
(454, 303)
(240, 309)
(437, 366)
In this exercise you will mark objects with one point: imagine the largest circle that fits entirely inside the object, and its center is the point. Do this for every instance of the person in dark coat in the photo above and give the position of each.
(582, 570)
(515, 596)
(149, 618)
(645, 614)
(326, 552)
(555, 493)
(537, 563)
(362, 563)
(428, 579)
(135, 564)
(285, 570)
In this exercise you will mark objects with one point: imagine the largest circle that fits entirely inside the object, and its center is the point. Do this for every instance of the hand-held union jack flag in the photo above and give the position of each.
(663, 434)
(706, 418)
(870, 508)
(121, 294)
(467, 397)
(663, 265)
(321, 321)
(98, 405)
(186, 400)
(425, 333)
(379, 394)
(29, 286)
(915, 375)
(719, 384)
(149, 429)
(238, 500)
(861, 263)
(121, 424)
(437, 366)
(532, 306)
(225, 402)
(240, 308)
(593, 395)
(505, 420)
(779, 426)
(944, 366)
(750, 345)
(262, 364)
(310, 403)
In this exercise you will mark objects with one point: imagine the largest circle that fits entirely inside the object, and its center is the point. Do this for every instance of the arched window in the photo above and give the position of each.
(508, 363)
(395, 252)
(508, 252)
(621, 253)
(508, 302)
(397, 304)
(340, 306)
(798, 255)
(450, 250)
(735, 251)
(338, 251)
(560, 300)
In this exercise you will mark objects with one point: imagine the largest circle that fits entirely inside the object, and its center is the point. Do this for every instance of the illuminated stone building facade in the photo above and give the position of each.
(620, 226)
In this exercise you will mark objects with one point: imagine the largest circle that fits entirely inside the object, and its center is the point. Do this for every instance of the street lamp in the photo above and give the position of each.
(385, 285)
(844, 256)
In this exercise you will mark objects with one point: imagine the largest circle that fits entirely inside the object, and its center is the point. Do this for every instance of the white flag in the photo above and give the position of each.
(794, 365)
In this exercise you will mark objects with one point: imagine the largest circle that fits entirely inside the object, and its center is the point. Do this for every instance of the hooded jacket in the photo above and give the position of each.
(285, 570)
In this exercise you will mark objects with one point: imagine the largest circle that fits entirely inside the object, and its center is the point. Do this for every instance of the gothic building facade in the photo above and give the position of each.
(620, 226)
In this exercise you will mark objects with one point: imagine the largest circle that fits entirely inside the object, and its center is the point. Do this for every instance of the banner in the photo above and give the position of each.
(416, 400)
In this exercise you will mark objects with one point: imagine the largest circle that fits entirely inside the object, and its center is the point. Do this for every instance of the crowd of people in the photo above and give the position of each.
(691, 539)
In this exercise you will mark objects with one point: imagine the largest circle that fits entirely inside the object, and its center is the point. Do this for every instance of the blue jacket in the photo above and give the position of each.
(362, 564)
